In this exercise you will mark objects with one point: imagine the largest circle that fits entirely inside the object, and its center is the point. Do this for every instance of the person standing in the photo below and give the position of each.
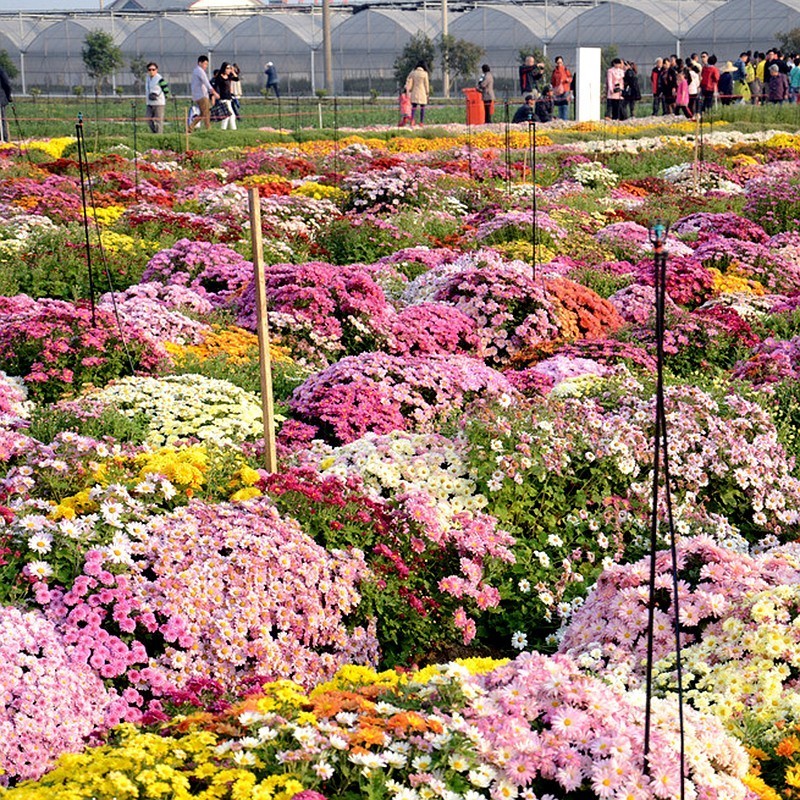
(236, 91)
(682, 91)
(631, 92)
(709, 80)
(693, 65)
(794, 81)
(272, 79)
(561, 81)
(725, 85)
(741, 86)
(157, 91)
(486, 88)
(530, 77)
(5, 101)
(778, 90)
(655, 84)
(202, 93)
(615, 82)
(419, 88)
(669, 77)
(222, 83)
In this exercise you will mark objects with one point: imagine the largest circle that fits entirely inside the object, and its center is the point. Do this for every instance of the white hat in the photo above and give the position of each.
(269, 63)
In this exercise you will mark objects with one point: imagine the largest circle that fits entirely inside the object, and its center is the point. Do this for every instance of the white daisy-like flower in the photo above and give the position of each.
(519, 640)
(39, 570)
(41, 542)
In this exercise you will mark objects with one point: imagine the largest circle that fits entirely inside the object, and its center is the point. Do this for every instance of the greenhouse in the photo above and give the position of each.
(641, 31)
(739, 25)
(503, 31)
(366, 45)
(53, 57)
(367, 39)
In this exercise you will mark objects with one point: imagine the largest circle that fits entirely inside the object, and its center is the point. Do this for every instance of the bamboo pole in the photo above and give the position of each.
(264, 356)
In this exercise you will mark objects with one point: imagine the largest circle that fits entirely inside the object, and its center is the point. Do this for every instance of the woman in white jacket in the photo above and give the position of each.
(418, 87)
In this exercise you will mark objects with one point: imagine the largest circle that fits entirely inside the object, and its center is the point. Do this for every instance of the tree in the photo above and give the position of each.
(607, 55)
(789, 42)
(8, 65)
(101, 57)
(138, 68)
(462, 57)
(418, 48)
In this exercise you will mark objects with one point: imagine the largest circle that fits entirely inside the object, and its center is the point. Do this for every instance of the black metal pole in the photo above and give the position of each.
(83, 168)
(135, 153)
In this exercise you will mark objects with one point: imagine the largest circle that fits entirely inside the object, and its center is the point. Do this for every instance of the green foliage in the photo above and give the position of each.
(607, 55)
(789, 40)
(101, 57)
(342, 243)
(418, 48)
(783, 403)
(460, 57)
(414, 615)
(138, 67)
(784, 325)
(47, 422)
(557, 515)
(604, 283)
(286, 376)
(8, 65)
(53, 264)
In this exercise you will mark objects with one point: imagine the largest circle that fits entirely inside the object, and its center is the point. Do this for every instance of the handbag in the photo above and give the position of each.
(220, 111)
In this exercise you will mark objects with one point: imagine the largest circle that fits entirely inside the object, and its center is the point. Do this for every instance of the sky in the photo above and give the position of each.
(49, 5)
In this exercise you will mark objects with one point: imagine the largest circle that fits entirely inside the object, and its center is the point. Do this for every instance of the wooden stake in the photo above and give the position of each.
(264, 356)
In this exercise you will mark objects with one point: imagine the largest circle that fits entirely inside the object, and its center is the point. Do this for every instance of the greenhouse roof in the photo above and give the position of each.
(627, 23)
(530, 25)
(738, 22)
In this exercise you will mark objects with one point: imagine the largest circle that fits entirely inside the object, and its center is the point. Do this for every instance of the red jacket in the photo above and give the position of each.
(561, 80)
(654, 73)
(709, 78)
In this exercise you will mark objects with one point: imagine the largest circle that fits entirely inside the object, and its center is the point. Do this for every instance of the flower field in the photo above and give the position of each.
(442, 592)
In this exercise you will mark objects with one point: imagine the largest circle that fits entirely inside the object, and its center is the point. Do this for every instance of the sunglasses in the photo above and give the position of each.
(151, 69)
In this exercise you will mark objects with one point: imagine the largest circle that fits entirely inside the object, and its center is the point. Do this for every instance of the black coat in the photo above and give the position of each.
(631, 90)
(5, 88)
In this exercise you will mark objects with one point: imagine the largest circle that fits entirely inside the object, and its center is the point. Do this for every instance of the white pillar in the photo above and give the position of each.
(588, 82)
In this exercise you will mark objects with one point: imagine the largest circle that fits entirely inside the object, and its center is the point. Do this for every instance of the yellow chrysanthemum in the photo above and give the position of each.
(114, 242)
(248, 493)
(186, 468)
(320, 191)
(521, 250)
(53, 147)
(757, 785)
(107, 215)
(732, 283)
(69, 507)
(784, 140)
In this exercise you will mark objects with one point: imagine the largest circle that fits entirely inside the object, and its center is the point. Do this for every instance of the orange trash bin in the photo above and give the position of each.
(476, 114)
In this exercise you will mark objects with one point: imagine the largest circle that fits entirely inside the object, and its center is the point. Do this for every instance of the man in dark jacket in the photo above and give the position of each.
(530, 76)
(5, 100)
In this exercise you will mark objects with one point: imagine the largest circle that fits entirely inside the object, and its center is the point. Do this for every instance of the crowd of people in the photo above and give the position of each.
(680, 87)
(697, 84)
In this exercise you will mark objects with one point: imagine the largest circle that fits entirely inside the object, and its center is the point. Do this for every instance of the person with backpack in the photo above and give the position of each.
(157, 92)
